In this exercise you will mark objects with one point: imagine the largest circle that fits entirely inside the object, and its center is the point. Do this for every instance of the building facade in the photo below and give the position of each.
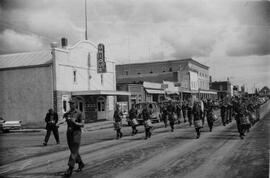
(223, 88)
(190, 76)
(62, 73)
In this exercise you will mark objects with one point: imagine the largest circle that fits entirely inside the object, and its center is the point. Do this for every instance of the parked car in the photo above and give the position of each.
(6, 126)
(154, 111)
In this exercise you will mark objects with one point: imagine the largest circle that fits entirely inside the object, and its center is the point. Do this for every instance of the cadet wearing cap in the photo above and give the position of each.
(75, 122)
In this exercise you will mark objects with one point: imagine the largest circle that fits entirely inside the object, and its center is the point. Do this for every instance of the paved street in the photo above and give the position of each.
(218, 154)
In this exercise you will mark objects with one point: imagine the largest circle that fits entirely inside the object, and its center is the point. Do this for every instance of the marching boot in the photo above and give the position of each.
(69, 171)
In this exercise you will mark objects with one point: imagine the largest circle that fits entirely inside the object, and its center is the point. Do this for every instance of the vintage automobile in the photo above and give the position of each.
(6, 126)
(152, 107)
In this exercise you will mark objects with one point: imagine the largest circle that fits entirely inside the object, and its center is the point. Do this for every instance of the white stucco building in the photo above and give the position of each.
(31, 83)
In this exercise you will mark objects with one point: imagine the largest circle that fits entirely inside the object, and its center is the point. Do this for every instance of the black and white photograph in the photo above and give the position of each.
(134, 88)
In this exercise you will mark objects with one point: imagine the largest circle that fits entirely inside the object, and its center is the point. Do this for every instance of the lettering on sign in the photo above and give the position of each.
(101, 64)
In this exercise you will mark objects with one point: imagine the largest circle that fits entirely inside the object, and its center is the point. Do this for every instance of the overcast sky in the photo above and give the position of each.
(230, 36)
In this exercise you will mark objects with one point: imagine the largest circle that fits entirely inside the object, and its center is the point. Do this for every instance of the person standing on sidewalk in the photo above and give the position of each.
(133, 119)
(75, 121)
(117, 122)
(51, 119)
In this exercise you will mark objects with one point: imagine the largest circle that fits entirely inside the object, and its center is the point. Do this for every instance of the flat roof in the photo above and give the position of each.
(167, 61)
(101, 92)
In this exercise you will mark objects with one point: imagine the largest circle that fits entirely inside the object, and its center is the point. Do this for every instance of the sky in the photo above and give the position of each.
(232, 37)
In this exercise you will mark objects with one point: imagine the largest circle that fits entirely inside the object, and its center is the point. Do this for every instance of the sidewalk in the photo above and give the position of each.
(88, 127)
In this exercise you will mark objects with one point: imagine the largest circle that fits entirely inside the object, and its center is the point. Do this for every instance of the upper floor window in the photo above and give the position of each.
(89, 60)
(126, 72)
(74, 76)
(101, 79)
(170, 69)
(151, 72)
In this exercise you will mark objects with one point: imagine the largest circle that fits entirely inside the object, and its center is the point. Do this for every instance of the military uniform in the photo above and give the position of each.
(147, 123)
(171, 111)
(197, 116)
(74, 138)
(117, 123)
(209, 114)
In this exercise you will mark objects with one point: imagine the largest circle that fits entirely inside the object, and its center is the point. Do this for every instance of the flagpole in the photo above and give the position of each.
(85, 10)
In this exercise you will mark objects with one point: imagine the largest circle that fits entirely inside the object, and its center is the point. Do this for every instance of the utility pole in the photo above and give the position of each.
(85, 10)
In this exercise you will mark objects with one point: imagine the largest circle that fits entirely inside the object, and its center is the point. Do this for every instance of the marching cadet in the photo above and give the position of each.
(75, 121)
(132, 116)
(184, 110)
(164, 115)
(223, 112)
(210, 114)
(189, 111)
(171, 110)
(117, 122)
(147, 122)
(240, 117)
(51, 119)
(178, 112)
(197, 116)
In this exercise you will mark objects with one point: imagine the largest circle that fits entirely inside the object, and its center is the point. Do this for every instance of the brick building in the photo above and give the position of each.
(190, 76)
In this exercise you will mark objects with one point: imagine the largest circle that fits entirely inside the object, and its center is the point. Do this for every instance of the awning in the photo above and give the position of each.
(101, 92)
(207, 92)
(155, 91)
(172, 92)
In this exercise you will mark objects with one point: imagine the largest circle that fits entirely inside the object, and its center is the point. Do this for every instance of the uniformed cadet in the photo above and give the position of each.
(147, 122)
(51, 120)
(117, 122)
(171, 112)
(223, 111)
(189, 111)
(197, 116)
(240, 117)
(133, 116)
(75, 121)
(164, 114)
(184, 110)
(209, 114)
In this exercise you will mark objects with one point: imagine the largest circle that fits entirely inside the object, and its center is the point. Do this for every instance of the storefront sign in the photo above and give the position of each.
(101, 64)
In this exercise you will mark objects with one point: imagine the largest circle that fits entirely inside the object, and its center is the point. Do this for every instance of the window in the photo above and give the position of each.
(151, 72)
(89, 60)
(126, 72)
(138, 73)
(170, 69)
(101, 79)
(74, 76)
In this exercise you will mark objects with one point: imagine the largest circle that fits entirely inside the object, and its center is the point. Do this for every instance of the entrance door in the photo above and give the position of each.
(101, 106)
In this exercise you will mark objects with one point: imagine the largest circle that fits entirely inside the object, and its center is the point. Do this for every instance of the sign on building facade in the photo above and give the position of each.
(101, 64)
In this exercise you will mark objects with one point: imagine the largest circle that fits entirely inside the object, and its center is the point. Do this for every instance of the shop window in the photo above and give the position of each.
(101, 104)
(170, 69)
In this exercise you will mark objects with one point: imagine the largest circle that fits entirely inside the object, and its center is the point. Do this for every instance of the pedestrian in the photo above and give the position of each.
(133, 119)
(51, 120)
(171, 113)
(117, 122)
(197, 116)
(147, 122)
(210, 114)
(75, 121)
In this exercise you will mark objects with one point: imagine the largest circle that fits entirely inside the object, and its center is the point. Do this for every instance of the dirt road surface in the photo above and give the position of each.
(217, 154)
